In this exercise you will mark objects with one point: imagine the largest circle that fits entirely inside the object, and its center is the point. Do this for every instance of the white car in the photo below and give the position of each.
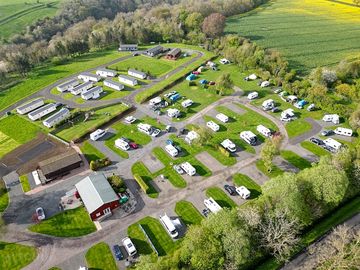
(213, 126)
(187, 103)
(253, 95)
(130, 119)
(156, 132)
(40, 213)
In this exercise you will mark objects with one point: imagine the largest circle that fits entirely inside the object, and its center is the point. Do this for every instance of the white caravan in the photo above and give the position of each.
(212, 205)
(248, 137)
(343, 131)
(265, 84)
(145, 128)
(173, 113)
(222, 117)
(213, 126)
(169, 226)
(97, 134)
(155, 101)
(332, 143)
(187, 103)
(228, 145)
(188, 168)
(192, 135)
(268, 104)
(264, 131)
(331, 118)
(243, 192)
(253, 95)
(171, 150)
(119, 143)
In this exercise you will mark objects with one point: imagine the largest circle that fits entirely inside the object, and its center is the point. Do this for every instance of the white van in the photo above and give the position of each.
(155, 101)
(129, 246)
(222, 117)
(264, 130)
(268, 104)
(188, 168)
(253, 95)
(171, 150)
(187, 103)
(119, 143)
(145, 128)
(343, 131)
(265, 84)
(243, 192)
(248, 137)
(212, 205)
(173, 113)
(169, 226)
(228, 145)
(213, 126)
(97, 134)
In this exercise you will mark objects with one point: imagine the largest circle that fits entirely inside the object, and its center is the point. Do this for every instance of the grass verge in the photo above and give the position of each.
(244, 180)
(295, 159)
(188, 213)
(315, 149)
(275, 171)
(15, 256)
(24, 180)
(90, 152)
(100, 256)
(4, 196)
(220, 197)
(140, 169)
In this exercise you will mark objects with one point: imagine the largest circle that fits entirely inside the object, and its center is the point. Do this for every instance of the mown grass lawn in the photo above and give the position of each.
(139, 240)
(244, 180)
(295, 159)
(70, 223)
(297, 127)
(15, 256)
(220, 197)
(275, 171)
(4, 196)
(315, 149)
(90, 152)
(49, 73)
(140, 169)
(99, 256)
(24, 180)
(157, 234)
(188, 213)
(99, 117)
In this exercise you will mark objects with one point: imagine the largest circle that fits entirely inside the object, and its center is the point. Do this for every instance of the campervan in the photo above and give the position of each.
(155, 101)
(173, 113)
(145, 128)
(188, 168)
(268, 104)
(212, 205)
(253, 95)
(222, 117)
(123, 145)
(249, 137)
(213, 126)
(264, 130)
(287, 115)
(192, 135)
(187, 103)
(343, 131)
(243, 192)
(228, 145)
(169, 226)
(252, 77)
(291, 99)
(129, 246)
(171, 150)
(97, 134)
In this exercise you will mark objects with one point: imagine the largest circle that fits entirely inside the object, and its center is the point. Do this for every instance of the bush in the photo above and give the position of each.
(117, 183)
(58, 60)
(222, 150)
(144, 186)
(100, 163)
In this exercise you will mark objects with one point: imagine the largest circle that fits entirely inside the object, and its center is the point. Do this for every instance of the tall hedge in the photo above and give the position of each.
(144, 186)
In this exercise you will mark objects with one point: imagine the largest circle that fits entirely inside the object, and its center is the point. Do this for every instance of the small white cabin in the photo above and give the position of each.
(56, 118)
(137, 74)
(343, 131)
(128, 80)
(42, 111)
(81, 88)
(87, 76)
(30, 106)
(103, 72)
(68, 85)
(92, 93)
(114, 85)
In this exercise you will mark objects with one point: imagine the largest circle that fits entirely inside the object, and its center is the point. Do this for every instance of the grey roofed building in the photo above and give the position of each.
(93, 77)
(40, 112)
(155, 50)
(137, 73)
(56, 117)
(127, 78)
(66, 84)
(113, 84)
(84, 86)
(27, 107)
(95, 191)
(128, 47)
(92, 92)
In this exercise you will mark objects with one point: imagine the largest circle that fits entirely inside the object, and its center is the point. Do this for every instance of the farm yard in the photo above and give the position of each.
(308, 33)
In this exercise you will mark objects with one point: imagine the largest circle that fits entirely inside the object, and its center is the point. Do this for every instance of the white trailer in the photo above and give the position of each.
(343, 131)
(171, 150)
(332, 143)
(228, 145)
(268, 104)
(222, 117)
(173, 113)
(169, 226)
(87, 76)
(114, 85)
(42, 111)
(253, 95)
(97, 134)
(128, 80)
(145, 128)
(30, 106)
(188, 168)
(248, 137)
(137, 74)
(264, 131)
(56, 118)
(212, 205)
(119, 143)
(103, 72)
(243, 192)
(213, 126)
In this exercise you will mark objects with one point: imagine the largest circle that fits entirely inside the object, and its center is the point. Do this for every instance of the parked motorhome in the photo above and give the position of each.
(87, 76)
(97, 134)
(81, 88)
(68, 85)
(155, 101)
(264, 131)
(104, 72)
(228, 145)
(123, 145)
(169, 226)
(343, 131)
(171, 150)
(213, 126)
(137, 74)
(127, 80)
(268, 104)
(287, 115)
(191, 136)
(145, 128)
(253, 95)
(188, 168)
(333, 143)
(243, 192)
(129, 246)
(291, 99)
(92, 93)
(42, 111)
(56, 117)
(114, 85)
(30, 106)
(222, 117)
(334, 118)
(212, 205)
(173, 113)
(187, 103)
(248, 137)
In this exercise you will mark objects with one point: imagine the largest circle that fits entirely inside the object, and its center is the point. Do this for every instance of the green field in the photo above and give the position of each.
(90, 152)
(295, 159)
(308, 33)
(15, 256)
(220, 197)
(16, 15)
(100, 256)
(70, 223)
(15, 131)
(315, 149)
(188, 213)
(244, 180)
(47, 74)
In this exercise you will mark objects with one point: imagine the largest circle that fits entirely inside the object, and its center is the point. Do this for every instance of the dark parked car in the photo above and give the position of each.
(205, 212)
(133, 145)
(316, 141)
(327, 132)
(230, 189)
(275, 109)
(117, 252)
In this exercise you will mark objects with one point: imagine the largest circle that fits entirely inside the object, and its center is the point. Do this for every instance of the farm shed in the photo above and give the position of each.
(98, 196)
(154, 51)
(137, 74)
(60, 165)
(92, 93)
(128, 80)
(30, 106)
(81, 88)
(173, 54)
(68, 85)
(56, 118)
(87, 76)
(114, 85)
(103, 72)
(42, 111)
(128, 47)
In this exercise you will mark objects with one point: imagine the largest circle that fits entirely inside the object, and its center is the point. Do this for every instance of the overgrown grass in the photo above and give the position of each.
(24, 180)
(295, 159)
(15, 256)
(100, 256)
(90, 152)
(70, 223)
(220, 197)
(275, 171)
(188, 213)
(244, 180)
(140, 169)
(4, 196)
(315, 149)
